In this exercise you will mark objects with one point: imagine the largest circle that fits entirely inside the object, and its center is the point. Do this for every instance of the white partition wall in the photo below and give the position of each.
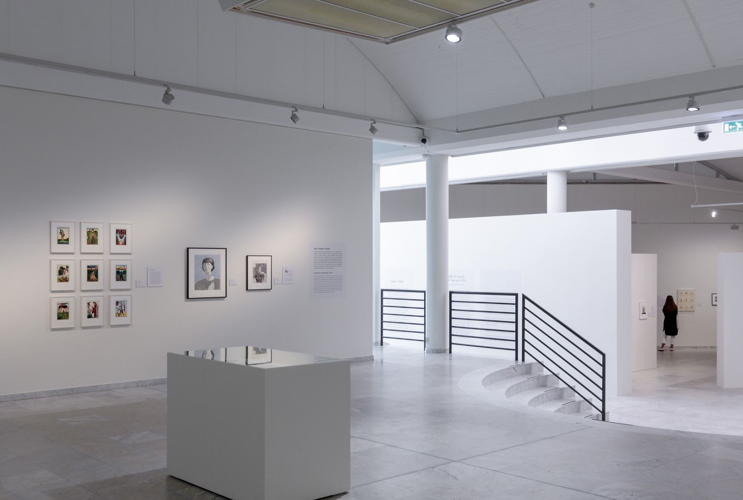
(181, 180)
(577, 265)
(730, 320)
(645, 311)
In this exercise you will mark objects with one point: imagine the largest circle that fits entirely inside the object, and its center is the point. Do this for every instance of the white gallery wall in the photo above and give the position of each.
(644, 326)
(576, 265)
(686, 240)
(730, 320)
(182, 180)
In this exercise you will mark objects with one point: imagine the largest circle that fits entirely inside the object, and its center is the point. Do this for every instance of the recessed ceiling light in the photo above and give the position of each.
(692, 105)
(562, 125)
(453, 34)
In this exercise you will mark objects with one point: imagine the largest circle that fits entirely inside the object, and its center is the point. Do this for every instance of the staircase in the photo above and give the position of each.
(529, 384)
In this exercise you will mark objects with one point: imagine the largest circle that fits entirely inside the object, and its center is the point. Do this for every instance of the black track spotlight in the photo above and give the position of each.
(168, 98)
(692, 105)
(453, 34)
(373, 129)
(562, 125)
(295, 116)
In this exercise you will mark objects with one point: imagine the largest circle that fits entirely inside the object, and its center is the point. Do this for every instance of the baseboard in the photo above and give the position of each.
(437, 351)
(81, 390)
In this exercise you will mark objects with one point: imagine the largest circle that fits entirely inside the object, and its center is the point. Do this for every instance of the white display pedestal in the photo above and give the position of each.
(277, 431)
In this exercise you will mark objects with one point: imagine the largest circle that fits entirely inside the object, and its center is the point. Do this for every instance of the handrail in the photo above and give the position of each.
(488, 327)
(581, 379)
(395, 317)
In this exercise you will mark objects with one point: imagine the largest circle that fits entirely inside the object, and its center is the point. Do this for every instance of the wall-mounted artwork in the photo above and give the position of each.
(120, 236)
(206, 273)
(62, 312)
(120, 275)
(685, 299)
(259, 355)
(120, 310)
(714, 299)
(62, 275)
(260, 272)
(91, 311)
(63, 237)
(644, 310)
(91, 275)
(91, 237)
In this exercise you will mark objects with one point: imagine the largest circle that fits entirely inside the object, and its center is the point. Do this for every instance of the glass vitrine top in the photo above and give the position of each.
(258, 356)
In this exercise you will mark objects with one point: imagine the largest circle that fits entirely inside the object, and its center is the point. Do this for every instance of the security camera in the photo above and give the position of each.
(424, 140)
(703, 132)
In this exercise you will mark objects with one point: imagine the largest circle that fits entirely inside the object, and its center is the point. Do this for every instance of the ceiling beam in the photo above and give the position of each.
(676, 178)
(719, 171)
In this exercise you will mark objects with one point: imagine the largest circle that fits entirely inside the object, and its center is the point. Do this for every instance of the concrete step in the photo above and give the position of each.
(541, 395)
(566, 406)
(514, 385)
(516, 370)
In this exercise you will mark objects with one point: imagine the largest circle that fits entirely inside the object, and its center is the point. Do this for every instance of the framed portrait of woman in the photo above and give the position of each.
(206, 272)
(260, 272)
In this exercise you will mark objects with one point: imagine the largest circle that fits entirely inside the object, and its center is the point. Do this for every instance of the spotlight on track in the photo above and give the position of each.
(692, 105)
(562, 125)
(453, 34)
(168, 98)
(295, 116)
(713, 213)
(373, 129)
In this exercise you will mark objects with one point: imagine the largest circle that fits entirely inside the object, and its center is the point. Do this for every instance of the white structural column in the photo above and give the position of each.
(437, 253)
(557, 192)
(376, 277)
(729, 320)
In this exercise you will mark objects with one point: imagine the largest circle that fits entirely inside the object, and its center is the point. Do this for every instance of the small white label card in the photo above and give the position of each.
(287, 275)
(154, 277)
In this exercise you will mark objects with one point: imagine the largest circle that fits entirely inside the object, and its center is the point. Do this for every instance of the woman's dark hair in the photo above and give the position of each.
(670, 305)
(208, 260)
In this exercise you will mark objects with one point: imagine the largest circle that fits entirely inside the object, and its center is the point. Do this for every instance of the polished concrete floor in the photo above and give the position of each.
(682, 394)
(415, 435)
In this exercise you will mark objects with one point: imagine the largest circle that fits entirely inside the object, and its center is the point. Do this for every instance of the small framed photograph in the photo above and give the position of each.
(120, 236)
(91, 275)
(91, 311)
(91, 237)
(120, 275)
(62, 312)
(62, 275)
(120, 310)
(644, 311)
(259, 355)
(714, 299)
(206, 271)
(260, 272)
(63, 237)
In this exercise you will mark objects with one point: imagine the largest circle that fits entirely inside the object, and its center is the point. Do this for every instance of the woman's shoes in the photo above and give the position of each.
(671, 347)
(663, 345)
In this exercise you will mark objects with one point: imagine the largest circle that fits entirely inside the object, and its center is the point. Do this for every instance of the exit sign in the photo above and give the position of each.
(730, 127)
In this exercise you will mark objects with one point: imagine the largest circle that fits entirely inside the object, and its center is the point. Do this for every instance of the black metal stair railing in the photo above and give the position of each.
(575, 361)
(485, 320)
(404, 315)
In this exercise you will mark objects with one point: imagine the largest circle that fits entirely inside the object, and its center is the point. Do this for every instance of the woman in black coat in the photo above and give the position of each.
(670, 312)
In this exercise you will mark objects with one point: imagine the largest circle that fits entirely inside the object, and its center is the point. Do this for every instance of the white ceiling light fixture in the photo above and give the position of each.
(713, 214)
(453, 34)
(562, 125)
(373, 129)
(692, 106)
(295, 116)
(168, 98)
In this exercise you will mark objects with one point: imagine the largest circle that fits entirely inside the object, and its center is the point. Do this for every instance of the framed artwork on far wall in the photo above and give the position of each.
(714, 299)
(91, 237)
(206, 273)
(91, 275)
(91, 311)
(62, 312)
(644, 312)
(259, 355)
(120, 310)
(63, 237)
(62, 275)
(120, 236)
(120, 275)
(260, 272)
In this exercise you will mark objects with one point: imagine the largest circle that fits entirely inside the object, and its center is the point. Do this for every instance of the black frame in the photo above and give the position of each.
(423, 317)
(496, 328)
(188, 277)
(247, 274)
(525, 330)
(247, 357)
